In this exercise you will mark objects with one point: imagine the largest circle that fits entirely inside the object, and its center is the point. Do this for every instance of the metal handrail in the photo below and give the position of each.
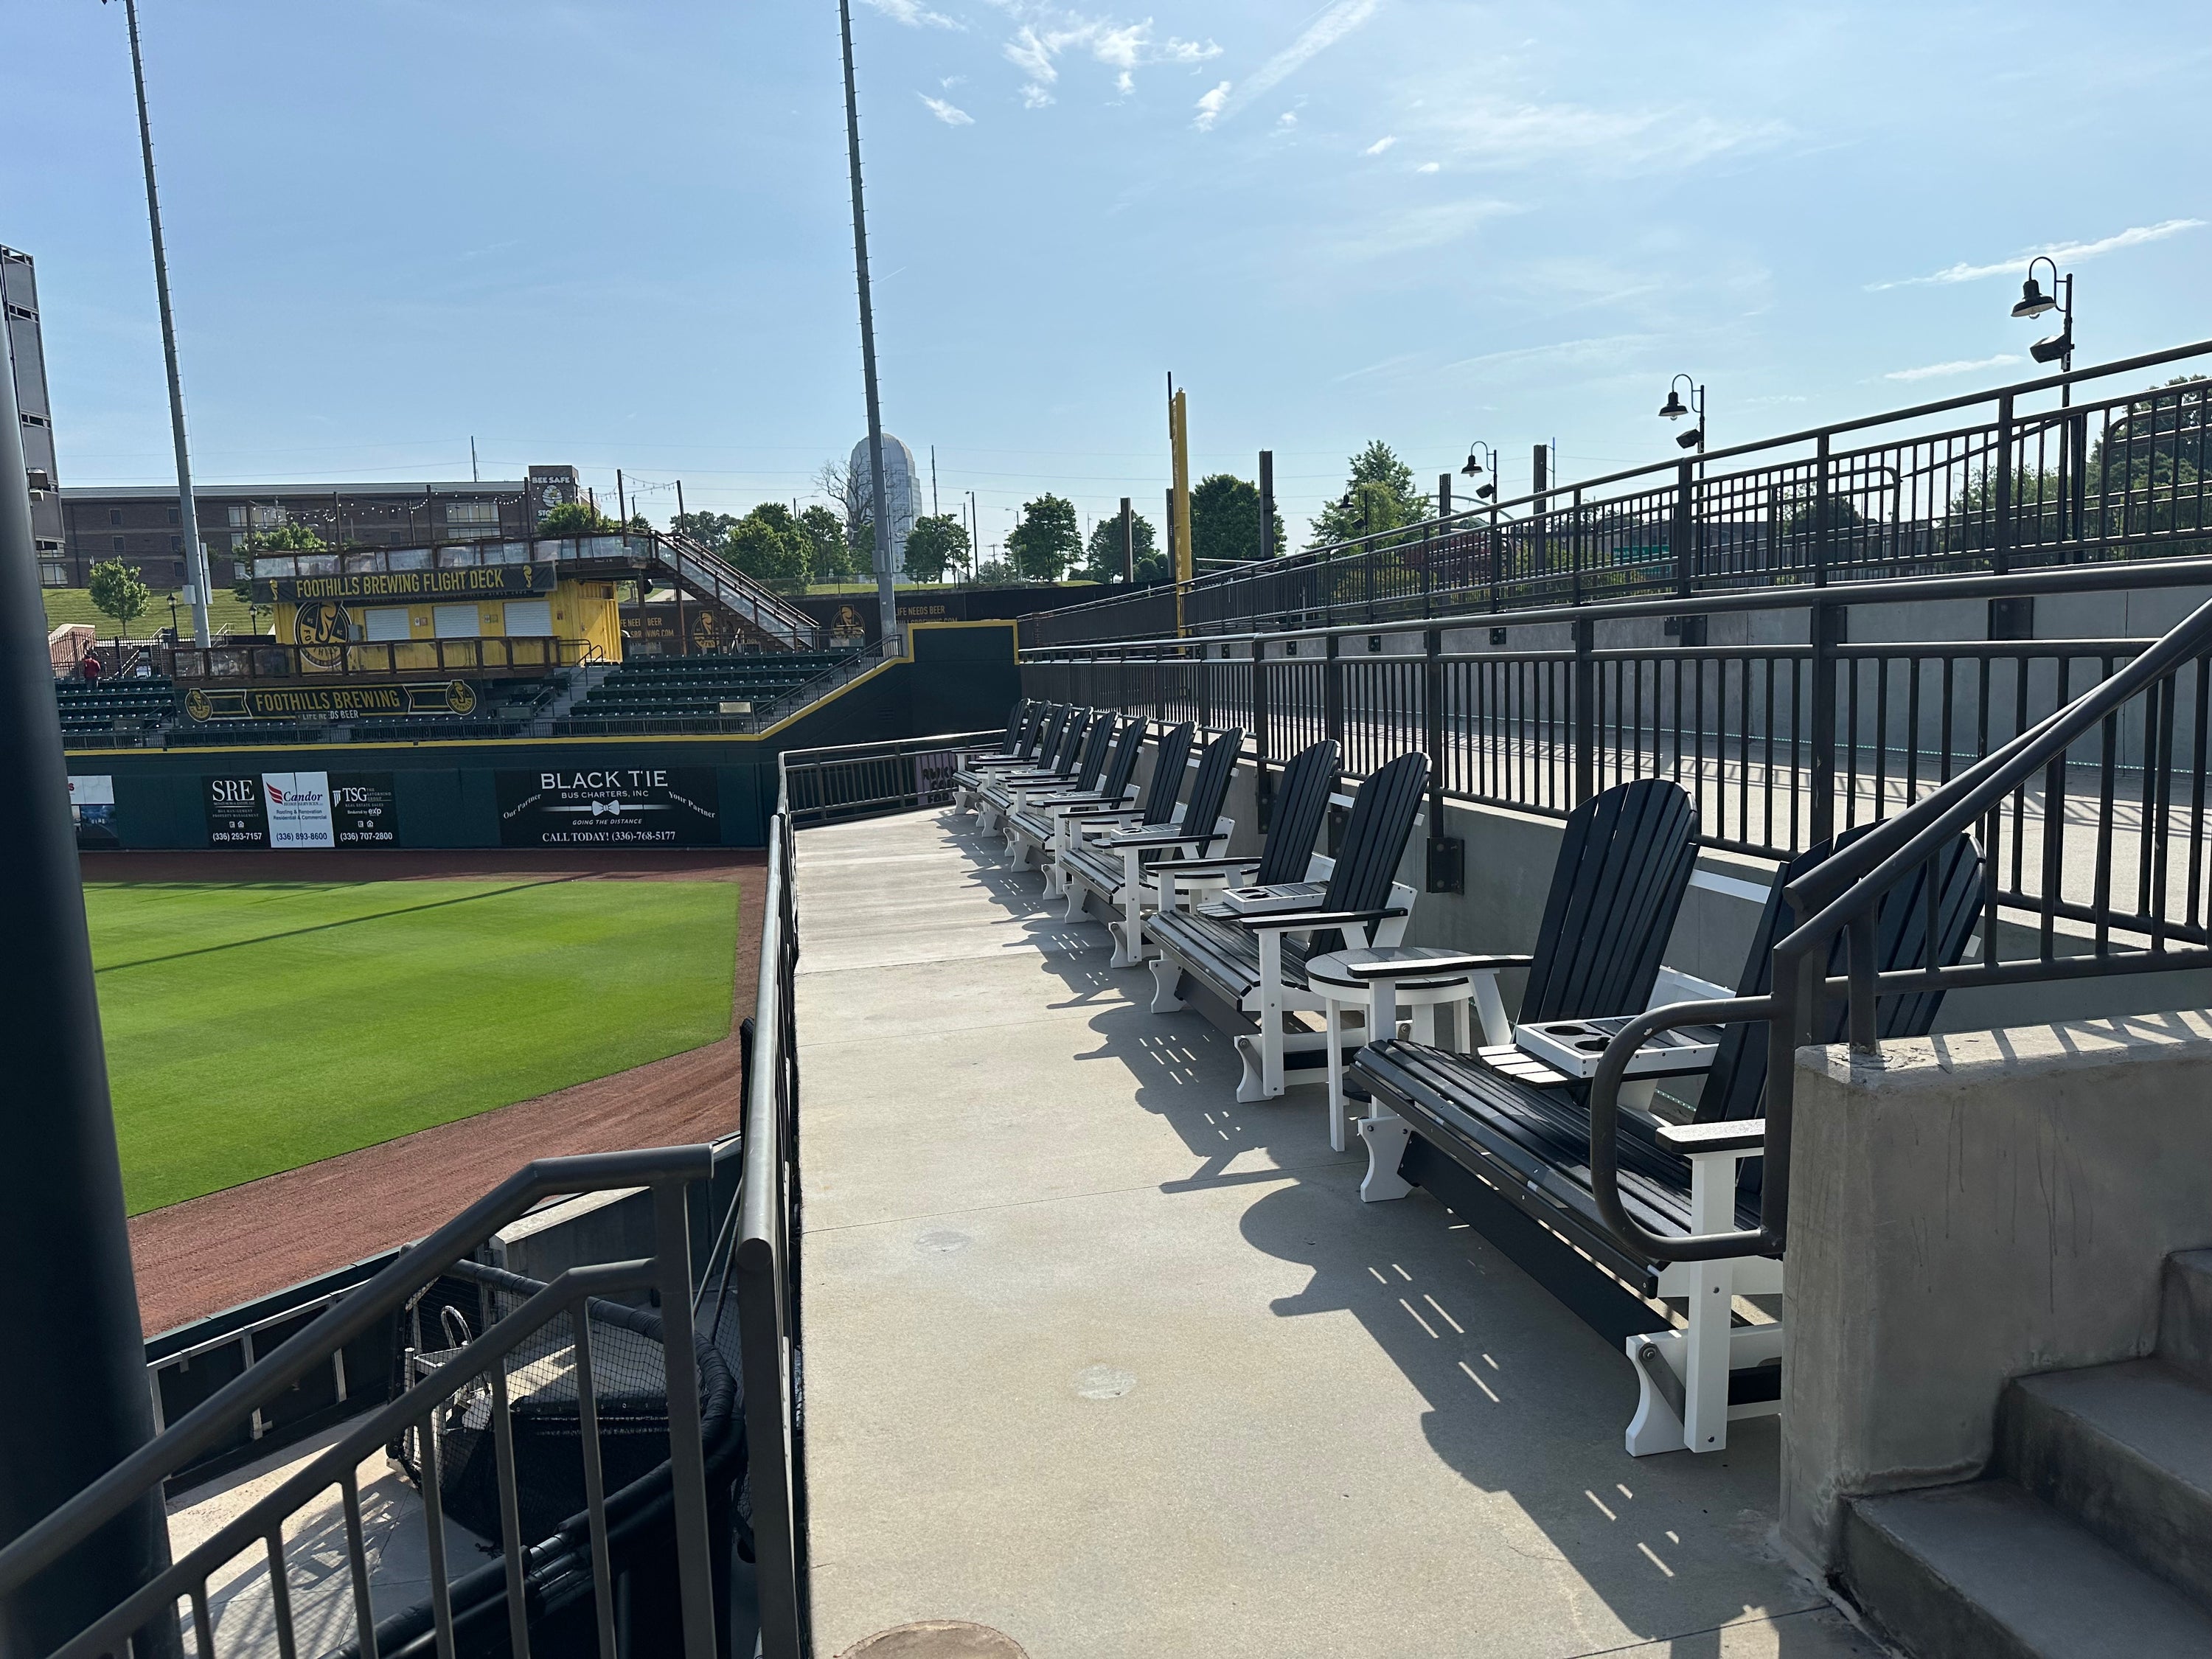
(668, 1170)
(1853, 883)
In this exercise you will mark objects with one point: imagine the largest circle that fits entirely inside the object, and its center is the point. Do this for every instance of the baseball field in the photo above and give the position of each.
(253, 1027)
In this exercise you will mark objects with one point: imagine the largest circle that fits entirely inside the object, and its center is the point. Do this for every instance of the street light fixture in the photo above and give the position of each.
(1674, 408)
(1474, 469)
(2035, 303)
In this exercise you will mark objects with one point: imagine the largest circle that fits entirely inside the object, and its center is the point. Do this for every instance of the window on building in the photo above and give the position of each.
(237, 516)
(118, 543)
(177, 572)
(267, 518)
(455, 622)
(529, 618)
(173, 516)
(388, 622)
(53, 575)
(177, 545)
(471, 512)
(115, 515)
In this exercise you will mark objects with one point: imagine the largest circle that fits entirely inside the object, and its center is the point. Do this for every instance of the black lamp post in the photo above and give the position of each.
(2035, 303)
(1477, 453)
(1674, 408)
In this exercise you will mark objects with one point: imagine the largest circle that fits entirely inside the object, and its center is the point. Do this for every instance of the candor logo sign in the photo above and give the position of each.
(235, 816)
(299, 808)
(610, 807)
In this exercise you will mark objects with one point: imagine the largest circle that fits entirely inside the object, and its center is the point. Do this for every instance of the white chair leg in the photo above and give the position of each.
(1386, 1135)
(1078, 899)
(1268, 1084)
(1496, 1028)
(1167, 979)
(1332, 1023)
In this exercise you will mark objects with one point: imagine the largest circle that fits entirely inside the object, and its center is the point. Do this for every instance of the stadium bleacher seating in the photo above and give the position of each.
(111, 705)
(672, 692)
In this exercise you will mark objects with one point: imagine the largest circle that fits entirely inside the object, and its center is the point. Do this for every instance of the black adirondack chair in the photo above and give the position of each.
(1115, 869)
(1069, 818)
(1039, 737)
(1057, 770)
(1253, 965)
(1511, 1156)
(1109, 762)
(1021, 743)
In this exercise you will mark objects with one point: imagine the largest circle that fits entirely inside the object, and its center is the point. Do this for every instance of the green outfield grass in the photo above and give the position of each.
(227, 613)
(256, 1026)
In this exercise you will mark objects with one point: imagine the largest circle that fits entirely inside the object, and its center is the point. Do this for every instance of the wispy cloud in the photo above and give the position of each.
(915, 14)
(951, 114)
(1380, 145)
(1429, 166)
(1957, 366)
(2133, 236)
(1209, 107)
(1331, 26)
(1048, 35)
(1289, 119)
(1607, 141)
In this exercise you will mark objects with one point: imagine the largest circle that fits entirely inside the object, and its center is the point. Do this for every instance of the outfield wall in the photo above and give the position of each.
(550, 793)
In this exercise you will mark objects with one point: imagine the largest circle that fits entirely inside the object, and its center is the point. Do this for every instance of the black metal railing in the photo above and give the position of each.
(862, 780)
(421, 1412)
(2121, 767)
(765, 1257)
(1781, 744)
(266, 659)
(2011, 479)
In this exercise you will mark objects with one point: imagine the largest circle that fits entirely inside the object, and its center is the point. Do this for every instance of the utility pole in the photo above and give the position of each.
(475, 477)
(622, 507)
(187, 514)
(83, 1406)
(935, 509)
(1267, 549)
(1128, 543)
(886, 590)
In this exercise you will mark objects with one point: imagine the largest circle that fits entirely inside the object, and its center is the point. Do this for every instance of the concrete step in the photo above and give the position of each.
(1984, 1571)
(2184, 1314)
(2125, 1450)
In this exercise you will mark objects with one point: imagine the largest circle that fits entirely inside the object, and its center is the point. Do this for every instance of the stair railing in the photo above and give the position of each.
(133, 1625)
(1843, 895)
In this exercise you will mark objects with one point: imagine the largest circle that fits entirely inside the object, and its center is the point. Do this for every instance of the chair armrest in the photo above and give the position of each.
(1195, 867)
(1463, 964)
(1298, 921)
(1099, 814)
(1747, 1135)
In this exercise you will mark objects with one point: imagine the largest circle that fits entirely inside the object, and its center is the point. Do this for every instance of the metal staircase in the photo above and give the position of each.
(712, 578)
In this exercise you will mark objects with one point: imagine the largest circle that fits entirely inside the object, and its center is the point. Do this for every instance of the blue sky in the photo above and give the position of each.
(617, 234)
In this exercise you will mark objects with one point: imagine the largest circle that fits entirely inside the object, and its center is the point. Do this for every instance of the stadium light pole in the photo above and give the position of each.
(187, 514)
(73, 1401)
(886, 588)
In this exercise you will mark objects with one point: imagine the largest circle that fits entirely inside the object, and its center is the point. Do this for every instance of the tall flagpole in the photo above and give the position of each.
(887, 591)
(187, 515)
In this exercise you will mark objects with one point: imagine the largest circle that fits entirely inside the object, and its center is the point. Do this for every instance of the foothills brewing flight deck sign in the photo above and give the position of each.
(610, 807)
(302, 810)
(490, 582)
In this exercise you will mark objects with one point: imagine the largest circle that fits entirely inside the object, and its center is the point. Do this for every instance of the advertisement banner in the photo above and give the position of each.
(235, 813)
(612, 806)
(92, 808)
(298, 808)
(327, 703)
(362, 810)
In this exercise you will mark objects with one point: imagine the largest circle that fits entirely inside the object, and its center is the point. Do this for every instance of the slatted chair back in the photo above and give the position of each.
(1624, 864)
(1736, 1085)
(1157, 803)
(1209, 790)
(1375, 837)
(1300, 801)
(1097, 748)
(1062, 759)
(1015, 722)
(1121, 764)
(1026, 728)
(1048, 738)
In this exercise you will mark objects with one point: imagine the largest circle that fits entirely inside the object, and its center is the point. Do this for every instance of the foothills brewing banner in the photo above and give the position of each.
(616, 807)
(302, 810)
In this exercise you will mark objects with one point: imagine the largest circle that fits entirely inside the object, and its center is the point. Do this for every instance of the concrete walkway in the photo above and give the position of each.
(1103, 1359)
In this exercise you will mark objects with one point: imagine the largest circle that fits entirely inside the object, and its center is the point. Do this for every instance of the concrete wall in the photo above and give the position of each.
(1970, 1208)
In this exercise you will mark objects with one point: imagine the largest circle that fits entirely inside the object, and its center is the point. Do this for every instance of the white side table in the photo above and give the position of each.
(1424, 994)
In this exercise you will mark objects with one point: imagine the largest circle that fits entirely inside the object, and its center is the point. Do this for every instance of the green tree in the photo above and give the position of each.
(1379, 496)
(1225, 522)
(118, 592)
(290, 537)
(1102, 559)
(576, 519)
(768, 545)
(934, 545)
(709, 530)
(1047, 540)
(833, 556)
